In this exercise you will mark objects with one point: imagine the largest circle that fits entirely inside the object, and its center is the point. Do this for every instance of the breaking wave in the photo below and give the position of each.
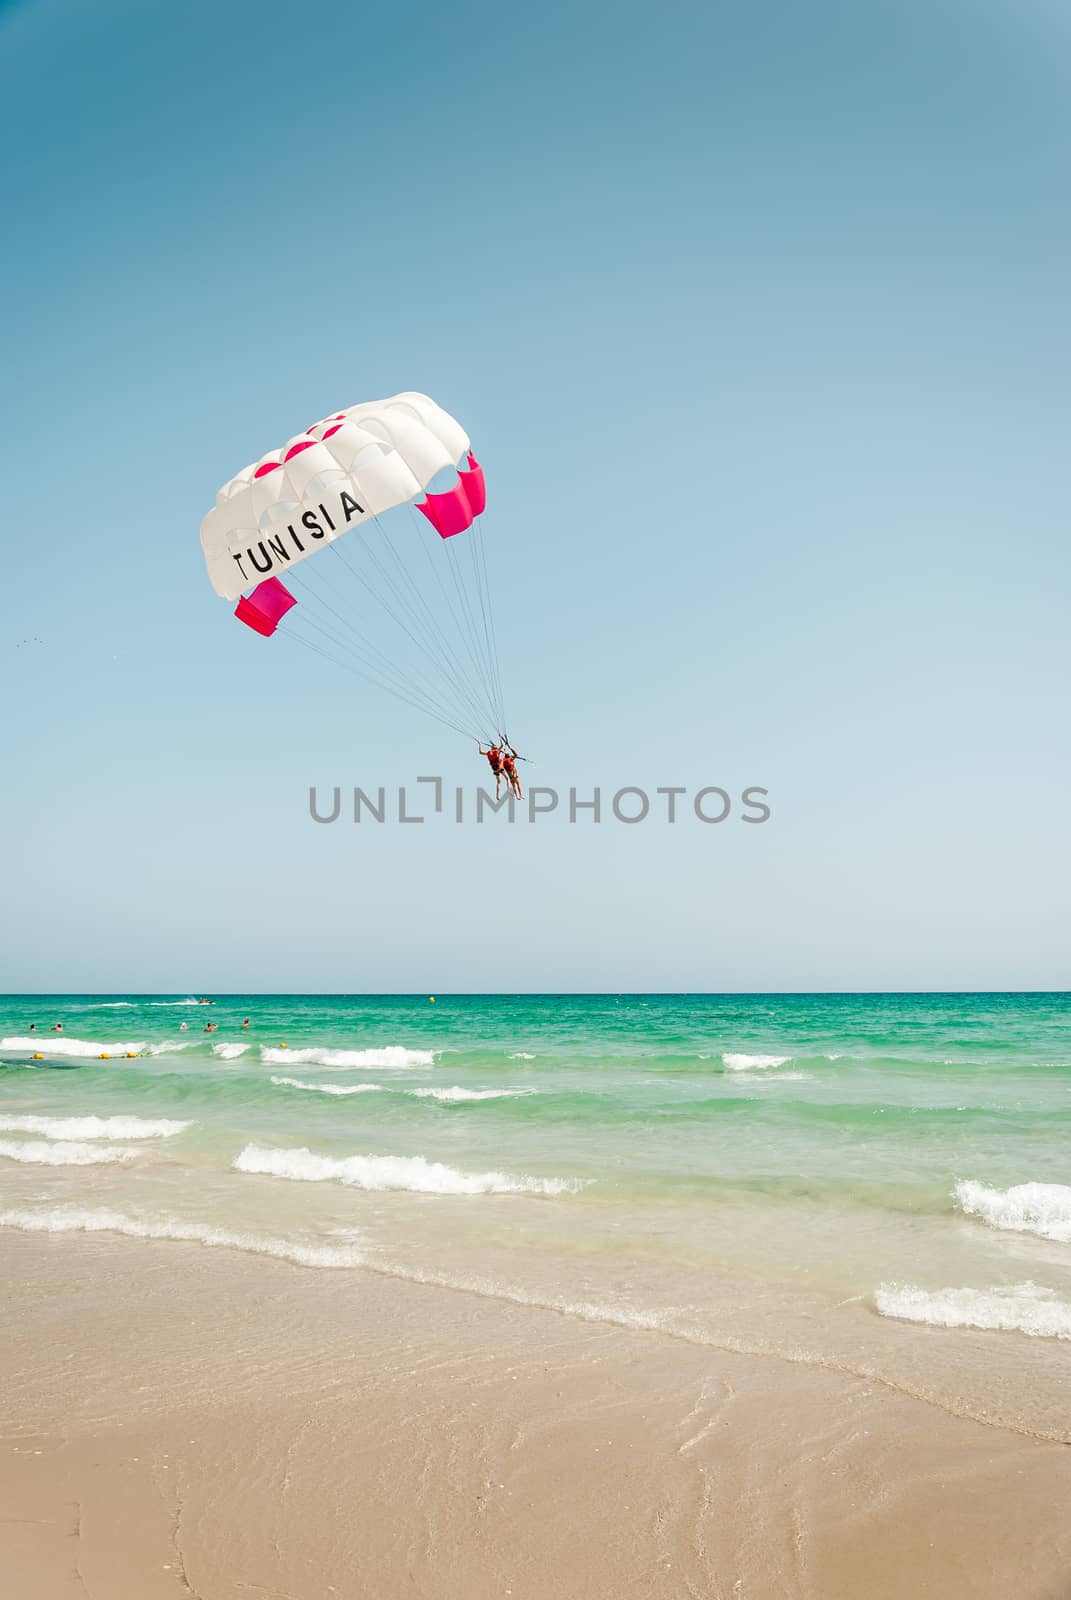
(521, 1055)
(94, 1127)
(1040, 1208)
(57, 1153)
(457, 1093)
(776, 1077)
(328, 1088)
(1017, 1308)
(391, 1055)
(452, 1095)
(742, 1063)
(100, 1221)
(229, 1051)
(58, 1044)
(412, 1173)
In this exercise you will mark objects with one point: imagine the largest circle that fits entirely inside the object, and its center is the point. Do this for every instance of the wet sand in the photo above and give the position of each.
(186, 1421)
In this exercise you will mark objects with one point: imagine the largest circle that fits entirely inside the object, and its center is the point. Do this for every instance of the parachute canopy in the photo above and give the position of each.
(343, 475)
(349, 467)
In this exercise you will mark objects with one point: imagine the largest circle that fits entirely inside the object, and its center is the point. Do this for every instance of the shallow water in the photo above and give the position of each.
(874, 1183)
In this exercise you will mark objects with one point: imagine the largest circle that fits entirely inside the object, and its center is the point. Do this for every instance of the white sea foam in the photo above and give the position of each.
(1040, 1208)
(94, 1127)
(329, 1088)
(392, 1172)
(58, 1044)
(229, 1050)
(1015, 1308)
(100, 1221)
(68, 1220)
(775, 1077)
(742, 1063)
(58, 1153)
(457, 1093)
(454, 1094)
(521, 1055)
(169, 1047)
(109, 1005)
(189, 1002)
(391, 1055)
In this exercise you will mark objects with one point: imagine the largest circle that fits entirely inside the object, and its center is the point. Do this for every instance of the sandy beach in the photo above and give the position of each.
(190, 1421)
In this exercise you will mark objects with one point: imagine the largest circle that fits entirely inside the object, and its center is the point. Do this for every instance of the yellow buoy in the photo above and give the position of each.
(131, 1054)
(37, 1056)
(431, 999)
(282, 1044)
(104, 1056)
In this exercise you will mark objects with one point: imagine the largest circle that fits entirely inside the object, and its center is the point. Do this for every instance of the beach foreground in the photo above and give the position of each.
(189, 1421)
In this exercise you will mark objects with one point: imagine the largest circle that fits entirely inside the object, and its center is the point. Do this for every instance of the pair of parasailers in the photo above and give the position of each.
(503, 762)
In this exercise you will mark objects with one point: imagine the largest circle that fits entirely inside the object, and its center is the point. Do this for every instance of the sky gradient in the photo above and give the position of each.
(758, 318)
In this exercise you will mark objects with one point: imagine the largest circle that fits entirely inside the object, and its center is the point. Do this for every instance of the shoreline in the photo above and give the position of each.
(948, 1369)
(297, 1432)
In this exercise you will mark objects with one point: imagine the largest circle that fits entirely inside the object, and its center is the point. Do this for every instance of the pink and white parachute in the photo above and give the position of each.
(391, 597)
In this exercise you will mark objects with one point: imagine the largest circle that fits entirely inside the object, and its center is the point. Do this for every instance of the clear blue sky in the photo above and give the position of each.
(758, 316)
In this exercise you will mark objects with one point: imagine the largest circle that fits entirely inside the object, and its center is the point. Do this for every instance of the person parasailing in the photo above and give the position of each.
(509, 767)
(494, 754)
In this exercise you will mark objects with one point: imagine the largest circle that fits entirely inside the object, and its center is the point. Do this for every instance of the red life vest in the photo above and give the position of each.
(507, 762)
(495, 758)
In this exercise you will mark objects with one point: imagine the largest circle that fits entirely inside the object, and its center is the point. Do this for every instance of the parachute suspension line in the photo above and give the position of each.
(437, 661)
(469, 708)
(471, 636)
(486, 637)
(482, 553)
(409, 678)
(364, 651)
(291, 633)
(479, 566)
(339, 660)
(466, 610)
(412, 680)
(481, 692)
(393, 684)
(426, 539)
(341, 654)
(364, 645)
(476, 690)
(483, 617)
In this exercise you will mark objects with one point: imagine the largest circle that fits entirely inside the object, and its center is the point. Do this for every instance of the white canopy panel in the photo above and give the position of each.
(341, 471)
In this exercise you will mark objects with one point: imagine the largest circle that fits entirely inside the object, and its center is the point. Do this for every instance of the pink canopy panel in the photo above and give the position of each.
(454, 511)
(265, 608)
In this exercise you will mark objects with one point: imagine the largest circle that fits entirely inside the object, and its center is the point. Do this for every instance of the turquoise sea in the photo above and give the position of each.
(877, 1183)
